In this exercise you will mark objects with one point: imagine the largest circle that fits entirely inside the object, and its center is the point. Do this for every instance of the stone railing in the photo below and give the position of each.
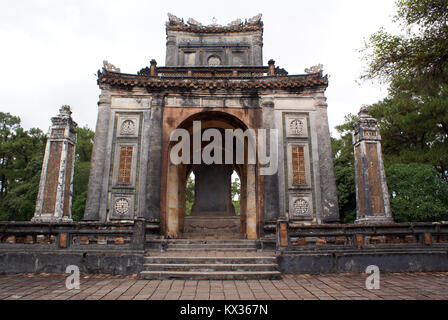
(362, 237)
(75, 235)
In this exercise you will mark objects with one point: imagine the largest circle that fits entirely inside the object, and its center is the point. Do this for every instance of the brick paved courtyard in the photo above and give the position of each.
(293, 287)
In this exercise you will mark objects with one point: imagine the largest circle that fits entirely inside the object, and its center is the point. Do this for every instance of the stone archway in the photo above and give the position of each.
(212, 213)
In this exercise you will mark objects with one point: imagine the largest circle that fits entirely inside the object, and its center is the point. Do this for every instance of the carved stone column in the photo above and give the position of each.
(372, 196)
(330, 209)
(257, 54)
(251, 204)
(155, 159)
(271, 186)
(94, 193)
(54, 200)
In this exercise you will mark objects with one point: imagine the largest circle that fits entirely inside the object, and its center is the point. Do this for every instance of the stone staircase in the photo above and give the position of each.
(210, 260)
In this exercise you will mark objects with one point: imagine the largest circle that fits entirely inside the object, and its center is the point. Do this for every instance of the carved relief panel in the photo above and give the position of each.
(122, 206)
(299, 173)
(127, 126)
(300, 207)
(124, 166)
(296, 126)
(298, 163)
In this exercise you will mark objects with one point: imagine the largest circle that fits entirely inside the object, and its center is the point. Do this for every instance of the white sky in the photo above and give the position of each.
(50, 50)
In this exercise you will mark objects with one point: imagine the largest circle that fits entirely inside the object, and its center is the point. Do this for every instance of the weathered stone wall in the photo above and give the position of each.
(306, 183)
(118, 248)
(195, 49)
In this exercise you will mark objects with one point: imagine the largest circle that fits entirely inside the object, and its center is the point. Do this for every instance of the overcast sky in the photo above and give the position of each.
(51, 50)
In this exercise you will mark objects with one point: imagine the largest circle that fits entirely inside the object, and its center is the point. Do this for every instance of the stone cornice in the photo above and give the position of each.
(291, 82)
(287, 82)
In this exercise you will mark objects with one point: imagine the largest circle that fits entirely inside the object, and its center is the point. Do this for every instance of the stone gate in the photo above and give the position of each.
(214, 82)
(213, 74)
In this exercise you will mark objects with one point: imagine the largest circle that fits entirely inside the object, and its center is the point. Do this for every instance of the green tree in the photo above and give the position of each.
(189, 195)
(21, 155)
(83, 154)
(418, 193)
(344, 170)
(236, 196)
(413, 118)
(8, 126)
(416, 59)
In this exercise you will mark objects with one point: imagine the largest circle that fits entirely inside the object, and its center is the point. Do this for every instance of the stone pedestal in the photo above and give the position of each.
(212, 226)
(54, 199)
(372, 195)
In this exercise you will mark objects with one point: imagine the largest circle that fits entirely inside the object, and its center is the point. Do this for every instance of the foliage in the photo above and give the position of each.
(78, 206)
(83, 153)
(236, 196)
(343, 161)
(189, 196)
(414, 117)
(419, 55)
(418, 193)
(21, 157)
(21, 154)
(414, 130)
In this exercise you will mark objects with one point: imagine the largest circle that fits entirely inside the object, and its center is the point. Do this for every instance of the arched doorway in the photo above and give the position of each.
(212, 213)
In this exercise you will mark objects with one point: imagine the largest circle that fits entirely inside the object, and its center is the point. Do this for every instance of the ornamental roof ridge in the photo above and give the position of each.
(177, 24)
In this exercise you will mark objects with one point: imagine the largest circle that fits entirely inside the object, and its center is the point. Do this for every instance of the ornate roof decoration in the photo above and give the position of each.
(281, 71)
(235, 23)
(365, 121)
(255, 20)
(64, 118)
(298, 82)
(193, 22)
(315, 69)
(173, 20)
(110, 67)
(177, 24)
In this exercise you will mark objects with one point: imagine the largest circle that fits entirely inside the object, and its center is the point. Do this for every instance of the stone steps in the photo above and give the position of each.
(219, 275)
(211, 260)
(188, 259)
(211, 236)
(210, 267)
(201, 245)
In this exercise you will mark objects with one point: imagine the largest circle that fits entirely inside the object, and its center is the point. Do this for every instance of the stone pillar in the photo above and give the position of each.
(270, 182)
(330, 208)
(153, 68)
(372, 195)
(251, 203)
(171, 51)
(172, 201)
(54, 200)
(155, 159)
(257, 50)
(271, 64)
(92, 212)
